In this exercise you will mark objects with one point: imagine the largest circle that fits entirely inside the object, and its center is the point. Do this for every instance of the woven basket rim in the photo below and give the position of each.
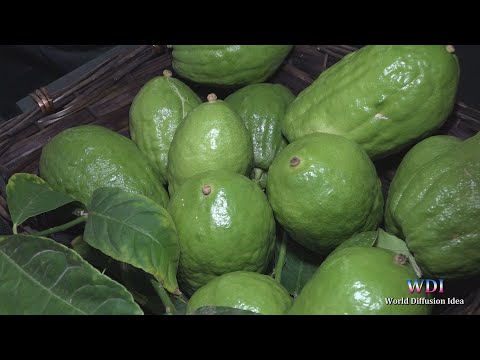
(103, 96)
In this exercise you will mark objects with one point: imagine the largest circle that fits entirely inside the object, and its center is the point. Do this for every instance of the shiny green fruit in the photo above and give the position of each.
(228, 65)
(224, 224)
(82, 159)
(383, 97)
(360, 281)
(323, 189)
(212, 137)
(434, 205)
(243, 290)
(262, 108)
(157, 109)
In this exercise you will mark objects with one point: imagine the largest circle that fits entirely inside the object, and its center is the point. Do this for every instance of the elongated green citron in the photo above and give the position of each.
(262, 108)
(360, 281)
(434, 205)
(82, 159)
(157, 109)
(224, 224)
(243, 290)
(212, 137)
(383, 97)
(323, 189)
(228, 64)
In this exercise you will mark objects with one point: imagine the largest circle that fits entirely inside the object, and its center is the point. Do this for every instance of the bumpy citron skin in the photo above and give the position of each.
(157, 109)
(228, 65)
(243, 290)
(212, 137)
(82, 159)
(434, 205)
(420, 155)
(262, 108)
(383, 97)
(323, 189)
(356, 281)
(224, 224)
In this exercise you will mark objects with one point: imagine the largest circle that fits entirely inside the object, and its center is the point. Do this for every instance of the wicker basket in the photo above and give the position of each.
(103, 96)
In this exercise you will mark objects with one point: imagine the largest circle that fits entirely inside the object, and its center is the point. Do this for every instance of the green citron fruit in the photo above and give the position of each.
(228, 65)
(383, 97)
(224, 224)
(361, 281)
(262, 108)
(323, 189)
(212, 137)
(157, 109)
(82, 159)
(243, 290)
(434, 205)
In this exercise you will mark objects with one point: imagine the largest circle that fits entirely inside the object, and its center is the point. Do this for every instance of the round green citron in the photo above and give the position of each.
(228, 65)
(383, 97)
(243, 290)
(212, 137)
(358, 281)
(82, 159)
(224, 224)
(434, 205)
(157, 109)
(323, 189)
(262, 108)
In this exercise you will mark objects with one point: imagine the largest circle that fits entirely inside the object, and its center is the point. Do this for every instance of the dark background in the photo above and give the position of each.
(24, 68)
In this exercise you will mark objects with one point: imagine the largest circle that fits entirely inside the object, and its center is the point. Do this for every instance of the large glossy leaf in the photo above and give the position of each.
(28, 195)
(221, 310)
(40, 276)
(134, 229)
(300, 265)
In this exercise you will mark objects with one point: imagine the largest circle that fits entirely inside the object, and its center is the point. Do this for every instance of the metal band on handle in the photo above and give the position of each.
(43, 100)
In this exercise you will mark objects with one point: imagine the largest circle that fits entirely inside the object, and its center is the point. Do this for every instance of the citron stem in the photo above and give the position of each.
(277, 272)
(257, 174)
(62, 227)
(169, 307)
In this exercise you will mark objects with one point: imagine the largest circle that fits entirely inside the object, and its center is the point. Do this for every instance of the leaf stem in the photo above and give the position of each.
(167, 302)
(277, 272)
(66, 226)
(415, 266)
(14, 229)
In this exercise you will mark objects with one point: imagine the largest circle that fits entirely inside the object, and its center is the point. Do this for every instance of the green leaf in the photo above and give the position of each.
(392, 243)
(398, 246)
(383, 240)
(139, 283)
(180, 302)
(134, 229)
(365, 239)
(93, 256)
(28, 195)
(40, 276)
(300, 265)
(221, 310)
